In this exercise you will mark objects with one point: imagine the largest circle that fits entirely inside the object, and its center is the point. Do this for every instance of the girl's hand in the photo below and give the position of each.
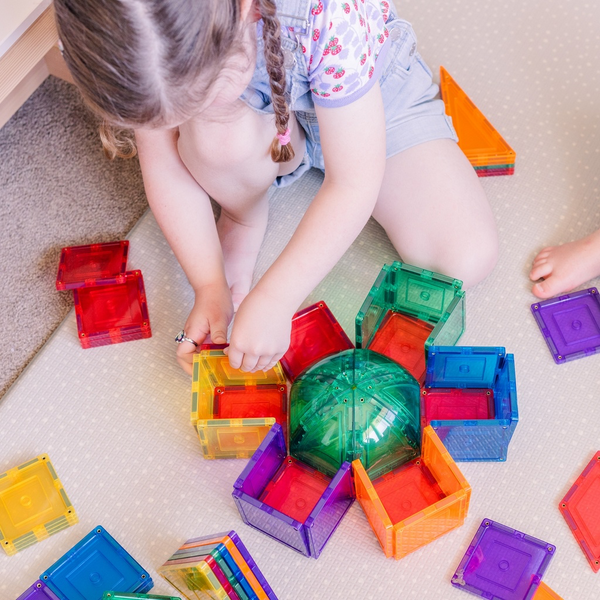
(261, 333)
(209, 319)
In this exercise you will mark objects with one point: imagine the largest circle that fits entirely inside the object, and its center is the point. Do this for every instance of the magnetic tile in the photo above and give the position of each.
(570, 324)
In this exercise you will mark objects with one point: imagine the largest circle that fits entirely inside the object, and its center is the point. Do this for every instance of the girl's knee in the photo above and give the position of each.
(472, 260)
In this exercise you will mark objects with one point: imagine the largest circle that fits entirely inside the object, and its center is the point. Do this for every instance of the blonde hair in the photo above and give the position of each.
(139, 63)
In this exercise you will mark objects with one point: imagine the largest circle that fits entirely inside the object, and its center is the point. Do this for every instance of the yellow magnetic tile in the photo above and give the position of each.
(193, 581)
(33, 505)
(211, 369)
(232, 438)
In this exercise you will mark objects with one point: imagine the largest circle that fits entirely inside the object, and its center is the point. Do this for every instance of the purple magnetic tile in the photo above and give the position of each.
(308, 538)
(270, 521)
(330, 510)
(235, 538)
(263, 464)
(38, 591)
(570, 324)
(503, 563)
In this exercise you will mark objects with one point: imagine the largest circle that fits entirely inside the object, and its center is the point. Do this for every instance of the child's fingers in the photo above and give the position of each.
(186, 363)
(263, 363)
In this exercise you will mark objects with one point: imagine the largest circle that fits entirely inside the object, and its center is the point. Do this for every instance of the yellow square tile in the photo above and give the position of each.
(33, 505)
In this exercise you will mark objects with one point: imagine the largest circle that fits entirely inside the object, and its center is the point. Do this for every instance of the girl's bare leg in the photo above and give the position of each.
(436, 214)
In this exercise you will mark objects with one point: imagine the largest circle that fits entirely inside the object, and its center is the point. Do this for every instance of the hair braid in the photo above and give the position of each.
(276, 71)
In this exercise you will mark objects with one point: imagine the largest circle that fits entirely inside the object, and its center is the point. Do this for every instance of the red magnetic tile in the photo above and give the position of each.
(402, 338)
(407, 490)
(451, 404)
(295, 489)
(315, 334)
(494, 172)
(251, 402)
(92, 264)
(581, 510)
(109, 314)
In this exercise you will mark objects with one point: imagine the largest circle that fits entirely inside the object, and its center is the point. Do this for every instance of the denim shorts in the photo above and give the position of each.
(414, 114)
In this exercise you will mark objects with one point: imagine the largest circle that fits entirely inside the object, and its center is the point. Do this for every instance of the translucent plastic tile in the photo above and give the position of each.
(439, 404)
(232, 438)
(38, 591)
(402, 339)
(470, 400)
(464, 366)
(110, 314)
(570, 324)
(254, 402)
(503, 563)
(91, 265)
(197, 581)
(429, 297)
(315, 334)
(357, 403)
(33, 505)
(198, 547)
(477, 138)
(200, 572)
(581, 510)
(122, 596)
(94, 565)
(254, 575)
(213, 376)
(544, 592)
(416, 503)
(305, 506)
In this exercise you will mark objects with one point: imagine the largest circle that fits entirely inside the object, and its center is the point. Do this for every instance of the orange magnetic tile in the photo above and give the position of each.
(580, 510)
(437, 503)
(545, 593)
(477, 137)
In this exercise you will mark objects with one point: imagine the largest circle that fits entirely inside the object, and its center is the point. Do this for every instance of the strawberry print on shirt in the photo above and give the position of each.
(342, 47)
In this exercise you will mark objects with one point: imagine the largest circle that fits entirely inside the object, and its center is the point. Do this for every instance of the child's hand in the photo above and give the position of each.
(261, 333)
(210, 316)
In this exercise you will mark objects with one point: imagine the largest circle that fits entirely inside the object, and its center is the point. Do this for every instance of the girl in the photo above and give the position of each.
(227, 97)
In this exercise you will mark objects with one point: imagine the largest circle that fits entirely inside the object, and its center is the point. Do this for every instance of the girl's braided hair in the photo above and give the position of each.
(139, 63)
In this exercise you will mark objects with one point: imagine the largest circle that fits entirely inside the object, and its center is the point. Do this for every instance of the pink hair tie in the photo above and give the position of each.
(284, 138)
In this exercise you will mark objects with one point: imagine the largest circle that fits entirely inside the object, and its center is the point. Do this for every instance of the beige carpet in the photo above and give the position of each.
(56, 189)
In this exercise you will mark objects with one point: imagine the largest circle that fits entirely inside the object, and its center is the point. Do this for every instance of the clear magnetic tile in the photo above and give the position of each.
(503, 563)
(33, 504)
(570, 324)
(95, 564)
(581, 510)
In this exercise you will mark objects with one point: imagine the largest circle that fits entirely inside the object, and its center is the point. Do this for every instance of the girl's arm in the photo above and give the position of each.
(353, 142)
(183, 211)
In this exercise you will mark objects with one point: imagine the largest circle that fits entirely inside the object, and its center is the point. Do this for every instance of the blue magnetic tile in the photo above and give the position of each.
(95, 564)
(463, 366)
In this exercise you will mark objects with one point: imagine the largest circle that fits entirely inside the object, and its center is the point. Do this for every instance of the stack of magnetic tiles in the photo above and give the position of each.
(110, 302)
(216, 566)
(485, 148)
